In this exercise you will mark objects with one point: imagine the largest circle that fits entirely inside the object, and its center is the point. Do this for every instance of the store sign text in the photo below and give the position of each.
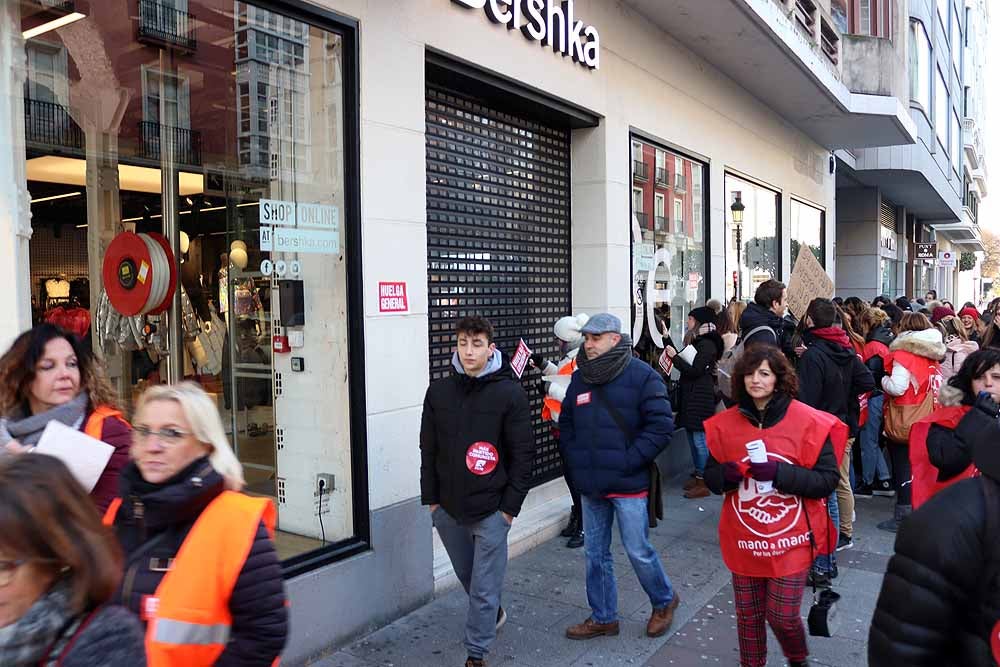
(546, 21)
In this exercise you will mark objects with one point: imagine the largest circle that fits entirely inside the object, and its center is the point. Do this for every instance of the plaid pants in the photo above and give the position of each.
(779, 601)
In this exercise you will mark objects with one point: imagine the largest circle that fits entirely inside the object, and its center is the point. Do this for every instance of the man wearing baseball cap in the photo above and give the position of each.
(615, 420)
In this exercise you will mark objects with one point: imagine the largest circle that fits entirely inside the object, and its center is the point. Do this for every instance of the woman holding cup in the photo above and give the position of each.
(775, 459)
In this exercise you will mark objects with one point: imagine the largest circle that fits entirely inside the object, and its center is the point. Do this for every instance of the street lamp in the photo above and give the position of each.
(737, 210)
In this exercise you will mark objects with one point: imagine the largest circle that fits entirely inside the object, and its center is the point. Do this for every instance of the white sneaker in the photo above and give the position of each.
(501, 617)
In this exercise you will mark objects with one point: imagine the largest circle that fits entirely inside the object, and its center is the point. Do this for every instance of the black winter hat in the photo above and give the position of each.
(703, 315)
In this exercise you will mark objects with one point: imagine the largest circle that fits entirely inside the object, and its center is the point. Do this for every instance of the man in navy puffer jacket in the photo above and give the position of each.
(615, 420)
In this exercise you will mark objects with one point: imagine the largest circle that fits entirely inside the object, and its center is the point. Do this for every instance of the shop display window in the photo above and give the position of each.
(753, 247)
(807, 229)
(669, 257)
(203, 120)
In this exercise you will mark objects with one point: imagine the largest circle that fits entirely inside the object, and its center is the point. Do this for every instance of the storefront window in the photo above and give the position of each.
(808, 228)
(753, 247)
(888, 282)
(669, 270)
(229, 140)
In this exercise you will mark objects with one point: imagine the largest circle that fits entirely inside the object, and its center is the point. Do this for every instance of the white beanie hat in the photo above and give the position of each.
(568, 328)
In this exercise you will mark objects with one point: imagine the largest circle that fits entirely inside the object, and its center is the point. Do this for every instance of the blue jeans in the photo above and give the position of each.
(872, 461)
(699, 451)
(633, 526)
(826, 563)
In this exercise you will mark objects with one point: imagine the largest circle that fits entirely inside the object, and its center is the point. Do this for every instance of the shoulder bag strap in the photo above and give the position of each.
(598, 391)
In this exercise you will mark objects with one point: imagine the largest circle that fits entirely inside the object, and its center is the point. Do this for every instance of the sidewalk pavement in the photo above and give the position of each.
(545, 593)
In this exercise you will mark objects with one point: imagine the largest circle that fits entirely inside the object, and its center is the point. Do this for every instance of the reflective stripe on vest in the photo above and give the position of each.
(193, 622)
(179, 632)
(551, 408)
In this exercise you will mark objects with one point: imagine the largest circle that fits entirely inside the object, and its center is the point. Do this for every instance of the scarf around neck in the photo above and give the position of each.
(608, 366)
(27, 640)
(27, 429)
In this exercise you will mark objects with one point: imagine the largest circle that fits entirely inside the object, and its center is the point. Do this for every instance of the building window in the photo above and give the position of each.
(669, 259)
(662, 175)
(920, 66)
(208, 121)
(956, 142)
(956, 41)
(867, 17)
(758, 256)
(941, 116)
(942, 10)
(807, 229)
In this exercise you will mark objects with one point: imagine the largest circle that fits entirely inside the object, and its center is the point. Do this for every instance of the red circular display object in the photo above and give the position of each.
(481, 458)
(127, 273)
(172, 285)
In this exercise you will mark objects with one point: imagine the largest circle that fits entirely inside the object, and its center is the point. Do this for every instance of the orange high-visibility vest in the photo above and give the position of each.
(551, 408)
(95, 422)
(192, 621)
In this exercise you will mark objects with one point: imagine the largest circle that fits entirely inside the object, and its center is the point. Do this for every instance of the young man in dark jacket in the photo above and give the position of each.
(768, 310)
(615, 420)
(832, 378)
(477, 449)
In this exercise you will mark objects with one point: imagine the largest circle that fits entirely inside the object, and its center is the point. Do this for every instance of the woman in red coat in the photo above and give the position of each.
(941, 444)
(49, 374)
(774, 519)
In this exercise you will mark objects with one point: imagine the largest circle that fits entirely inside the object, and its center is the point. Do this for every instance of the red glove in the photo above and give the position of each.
(733, 472)
(764, 472)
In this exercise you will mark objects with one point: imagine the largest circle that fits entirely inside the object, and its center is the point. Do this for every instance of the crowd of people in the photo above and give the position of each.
(163, 561)
(790, 420)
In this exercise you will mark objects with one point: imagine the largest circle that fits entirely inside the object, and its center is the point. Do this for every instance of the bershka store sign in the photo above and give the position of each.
(548, 22)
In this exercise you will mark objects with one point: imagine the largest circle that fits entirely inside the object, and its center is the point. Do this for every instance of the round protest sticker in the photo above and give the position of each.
(481, 458)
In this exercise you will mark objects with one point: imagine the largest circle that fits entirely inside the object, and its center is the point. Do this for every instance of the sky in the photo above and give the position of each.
(989, 209)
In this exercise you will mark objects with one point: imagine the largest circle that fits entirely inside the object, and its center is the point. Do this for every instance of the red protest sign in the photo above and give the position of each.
(520, 358)
(392, 298)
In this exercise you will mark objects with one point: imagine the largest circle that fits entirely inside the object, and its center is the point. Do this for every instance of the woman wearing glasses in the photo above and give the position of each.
(59, 567)
(201, 570)
(50, 375)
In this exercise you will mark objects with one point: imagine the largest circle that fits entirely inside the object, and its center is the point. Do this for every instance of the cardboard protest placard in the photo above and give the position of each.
(809, 281)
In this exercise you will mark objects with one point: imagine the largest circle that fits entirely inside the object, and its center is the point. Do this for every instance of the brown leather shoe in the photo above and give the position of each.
(590, 629)
(661, 619)
(692, 481)
(699, 490)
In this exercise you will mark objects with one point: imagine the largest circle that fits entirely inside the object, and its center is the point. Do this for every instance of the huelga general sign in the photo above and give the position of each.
(548, 22)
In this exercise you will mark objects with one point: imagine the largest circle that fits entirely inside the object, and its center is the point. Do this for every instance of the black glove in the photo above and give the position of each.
(986, 403)
(538, 361)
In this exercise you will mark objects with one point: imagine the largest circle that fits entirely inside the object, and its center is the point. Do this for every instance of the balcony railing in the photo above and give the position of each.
(662, 176)
(829, 42)
(186, 143)
(680, 183)
(805, 14)
(640, 170)
(660, 223)
(643, 219)
(164, 25)
(50, 124)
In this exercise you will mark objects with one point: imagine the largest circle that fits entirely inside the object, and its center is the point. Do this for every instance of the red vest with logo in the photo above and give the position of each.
(925, 473)
(926, 374)
(767, 534)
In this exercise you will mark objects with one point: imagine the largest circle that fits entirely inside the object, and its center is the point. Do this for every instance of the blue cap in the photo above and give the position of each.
(602, 323)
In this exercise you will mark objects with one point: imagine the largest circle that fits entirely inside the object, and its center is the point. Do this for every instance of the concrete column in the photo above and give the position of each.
(15, 206)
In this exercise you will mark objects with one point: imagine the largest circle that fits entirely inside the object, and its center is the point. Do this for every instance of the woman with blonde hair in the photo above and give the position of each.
(180, 510)
(735, 312)
(50, 375)
(959, 347)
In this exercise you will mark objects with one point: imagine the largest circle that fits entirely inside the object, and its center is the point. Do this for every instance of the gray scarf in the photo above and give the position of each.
(608, 366)
(27, 429)
(27, 640)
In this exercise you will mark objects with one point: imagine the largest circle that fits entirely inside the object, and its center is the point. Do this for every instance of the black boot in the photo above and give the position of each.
(575, 524)
(575, 541)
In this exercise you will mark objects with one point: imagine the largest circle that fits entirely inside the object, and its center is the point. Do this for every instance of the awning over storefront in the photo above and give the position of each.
(761, 47)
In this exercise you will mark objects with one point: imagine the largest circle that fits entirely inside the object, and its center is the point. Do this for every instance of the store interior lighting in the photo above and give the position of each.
(53, 25)
(62, 196)
(73, 171)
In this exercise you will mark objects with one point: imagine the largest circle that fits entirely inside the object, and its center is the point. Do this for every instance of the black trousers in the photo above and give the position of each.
(899, 456)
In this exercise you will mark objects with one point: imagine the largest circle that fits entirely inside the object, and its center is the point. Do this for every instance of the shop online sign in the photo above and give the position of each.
(287, 226)
(549, 22)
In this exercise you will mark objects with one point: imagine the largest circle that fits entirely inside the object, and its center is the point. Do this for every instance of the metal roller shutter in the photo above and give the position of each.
(498, 236)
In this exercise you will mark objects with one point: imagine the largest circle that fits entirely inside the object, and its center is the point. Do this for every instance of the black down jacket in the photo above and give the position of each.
(488, 411)
(940, 599)
(831, 377)
(151, 525)
(698, 382)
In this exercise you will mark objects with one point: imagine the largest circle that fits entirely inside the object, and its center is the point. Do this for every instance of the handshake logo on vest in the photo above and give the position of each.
(766, 513)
